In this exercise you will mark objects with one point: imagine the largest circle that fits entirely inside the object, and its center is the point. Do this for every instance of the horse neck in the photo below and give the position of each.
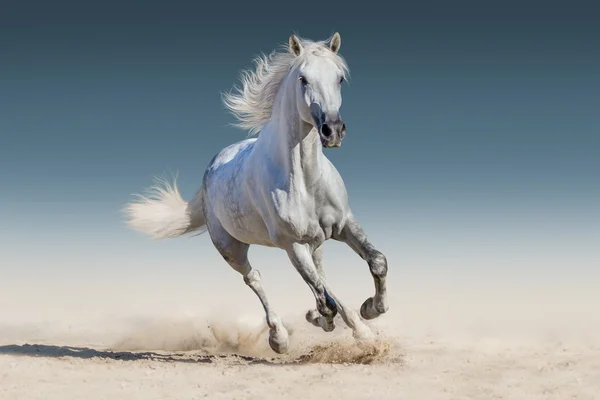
(292, 143)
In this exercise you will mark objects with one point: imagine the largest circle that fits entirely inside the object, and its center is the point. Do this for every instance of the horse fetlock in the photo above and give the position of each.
(327, 309)
(274, 322)
(327, 324)
(363, 333)
(380, 304)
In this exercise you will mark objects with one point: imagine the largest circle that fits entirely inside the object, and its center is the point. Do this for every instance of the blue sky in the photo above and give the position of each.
(473, 130)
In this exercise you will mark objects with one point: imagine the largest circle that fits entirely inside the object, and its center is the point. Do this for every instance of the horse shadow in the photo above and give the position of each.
(52, 351)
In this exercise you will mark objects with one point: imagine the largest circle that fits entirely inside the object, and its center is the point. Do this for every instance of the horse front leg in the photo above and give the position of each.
(356, 238)
(317, 257)
(301, 258)
(328, 304)
(313, 316)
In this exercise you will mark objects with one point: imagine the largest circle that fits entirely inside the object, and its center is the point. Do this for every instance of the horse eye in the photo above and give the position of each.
(341, 79)
(303, 80)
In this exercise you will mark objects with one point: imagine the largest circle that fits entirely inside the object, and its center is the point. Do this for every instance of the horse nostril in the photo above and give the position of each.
(326, 130)
(343, 130)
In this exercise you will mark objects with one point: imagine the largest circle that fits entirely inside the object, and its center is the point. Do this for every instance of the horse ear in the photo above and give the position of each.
(295, 46)
(335, 43)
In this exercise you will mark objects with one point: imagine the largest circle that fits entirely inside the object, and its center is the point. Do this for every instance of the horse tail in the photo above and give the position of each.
(162, 213)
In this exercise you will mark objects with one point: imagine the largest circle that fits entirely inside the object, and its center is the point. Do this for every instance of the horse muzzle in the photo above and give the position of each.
(332, 133)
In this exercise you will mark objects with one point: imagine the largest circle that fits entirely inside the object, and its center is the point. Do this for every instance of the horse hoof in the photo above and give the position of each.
(279, 341)
(368, 310)
(312, 316)
(315, 318)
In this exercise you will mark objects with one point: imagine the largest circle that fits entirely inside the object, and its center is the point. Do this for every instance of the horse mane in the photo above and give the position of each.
(252, 104)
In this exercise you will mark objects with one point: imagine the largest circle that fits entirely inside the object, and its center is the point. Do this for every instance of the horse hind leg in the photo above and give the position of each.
(278, 335)
(236, 255)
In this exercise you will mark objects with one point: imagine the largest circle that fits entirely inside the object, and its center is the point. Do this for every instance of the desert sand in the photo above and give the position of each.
(436, 342)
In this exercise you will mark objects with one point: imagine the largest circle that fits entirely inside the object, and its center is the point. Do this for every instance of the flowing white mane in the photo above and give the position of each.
(253, 102)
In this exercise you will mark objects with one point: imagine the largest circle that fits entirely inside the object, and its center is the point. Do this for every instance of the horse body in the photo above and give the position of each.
(274, 209)
(279, 190)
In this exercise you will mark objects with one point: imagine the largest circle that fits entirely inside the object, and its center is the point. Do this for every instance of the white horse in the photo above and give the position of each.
(279, 189)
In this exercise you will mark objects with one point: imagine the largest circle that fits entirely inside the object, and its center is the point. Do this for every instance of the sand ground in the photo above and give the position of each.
(466, 345)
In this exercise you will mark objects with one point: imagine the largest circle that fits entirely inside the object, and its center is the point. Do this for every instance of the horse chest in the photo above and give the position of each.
(304, 217)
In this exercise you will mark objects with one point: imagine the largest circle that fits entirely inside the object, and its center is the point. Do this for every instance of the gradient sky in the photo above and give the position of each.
(473, 142)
